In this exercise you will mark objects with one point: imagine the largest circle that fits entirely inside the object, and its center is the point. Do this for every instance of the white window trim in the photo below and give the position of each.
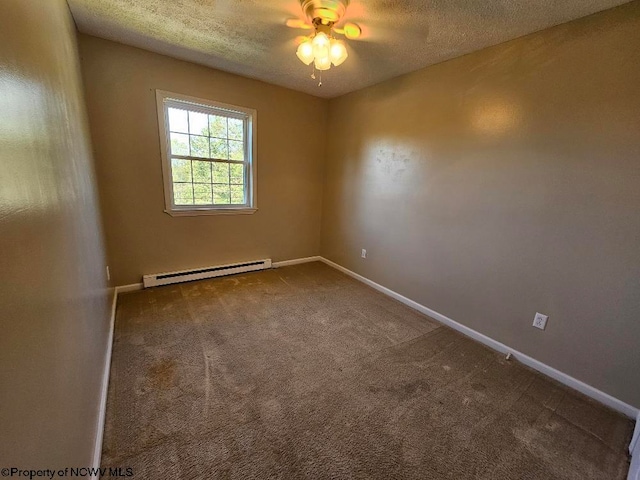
(165, 149)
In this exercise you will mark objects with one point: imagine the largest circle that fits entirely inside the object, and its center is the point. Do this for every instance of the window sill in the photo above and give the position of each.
(194, 212)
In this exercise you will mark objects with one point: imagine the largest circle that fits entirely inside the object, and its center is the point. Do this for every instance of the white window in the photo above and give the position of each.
(208, 156)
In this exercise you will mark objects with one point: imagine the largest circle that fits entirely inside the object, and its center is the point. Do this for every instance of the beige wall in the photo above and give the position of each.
(503, 183)
(53, 298)
(120, 83)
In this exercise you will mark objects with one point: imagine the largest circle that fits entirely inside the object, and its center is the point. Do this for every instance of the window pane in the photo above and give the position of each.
(237, 173)
(199, 146)
(182, 194)
(218, 126)
(236, 129)
(180, 170)
(198, 123)
(209, 156)
(178, 120)
(202, 194)
(236, 150)
(219, 149)
(220, 173)
(237, 194)
(221, 195)
(201, 172)
(179, 144)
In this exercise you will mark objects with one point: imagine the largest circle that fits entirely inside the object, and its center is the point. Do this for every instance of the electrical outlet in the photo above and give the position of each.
(540, 321)
(108, 274)
(364, 253)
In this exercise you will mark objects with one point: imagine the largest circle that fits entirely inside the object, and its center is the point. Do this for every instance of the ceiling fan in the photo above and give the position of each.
(321, 47)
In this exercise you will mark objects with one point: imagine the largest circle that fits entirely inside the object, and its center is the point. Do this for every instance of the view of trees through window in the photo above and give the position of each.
(208, 164)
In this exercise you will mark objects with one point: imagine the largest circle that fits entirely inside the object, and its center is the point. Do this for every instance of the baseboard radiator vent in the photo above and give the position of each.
(202, 273)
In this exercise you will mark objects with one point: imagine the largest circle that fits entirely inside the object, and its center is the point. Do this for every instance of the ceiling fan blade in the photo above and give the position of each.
(297, 23)
(300, 39)
(350, 30)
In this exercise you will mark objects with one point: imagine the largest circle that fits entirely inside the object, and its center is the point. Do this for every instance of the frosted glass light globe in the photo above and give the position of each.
(320, 44)
(338, 52)
(305, 52)
(323, 63)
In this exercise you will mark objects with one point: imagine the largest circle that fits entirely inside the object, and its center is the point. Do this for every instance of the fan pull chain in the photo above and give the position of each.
(313, 75)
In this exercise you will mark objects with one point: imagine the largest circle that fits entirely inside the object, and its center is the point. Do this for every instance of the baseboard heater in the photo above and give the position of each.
(201, 273)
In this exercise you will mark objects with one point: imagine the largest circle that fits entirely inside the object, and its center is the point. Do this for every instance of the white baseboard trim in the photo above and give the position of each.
(296, 261)
(133, 287)
(634, 451)
(634, 446)
(604, 398)
(634, 469)
(129, 288)
(97, 448)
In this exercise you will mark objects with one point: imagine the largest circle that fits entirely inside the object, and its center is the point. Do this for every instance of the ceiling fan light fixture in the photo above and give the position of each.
(322, 48)
(305, 52)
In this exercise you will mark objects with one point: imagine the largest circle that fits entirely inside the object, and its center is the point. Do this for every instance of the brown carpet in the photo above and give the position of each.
(303, 372)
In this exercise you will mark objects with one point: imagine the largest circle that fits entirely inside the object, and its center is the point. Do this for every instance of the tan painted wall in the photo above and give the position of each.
(503, 183)
(54, 312)
(120, 82)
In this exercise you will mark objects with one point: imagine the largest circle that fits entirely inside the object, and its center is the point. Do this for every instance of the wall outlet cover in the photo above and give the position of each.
(364, 253)
(540, 321)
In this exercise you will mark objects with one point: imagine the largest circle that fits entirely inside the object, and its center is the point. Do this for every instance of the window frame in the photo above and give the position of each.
(248, 115)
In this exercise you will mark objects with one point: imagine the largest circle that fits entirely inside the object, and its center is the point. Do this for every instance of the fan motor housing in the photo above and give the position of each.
(328, 11)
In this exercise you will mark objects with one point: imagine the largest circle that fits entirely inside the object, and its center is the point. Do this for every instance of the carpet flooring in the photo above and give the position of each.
(303, 372)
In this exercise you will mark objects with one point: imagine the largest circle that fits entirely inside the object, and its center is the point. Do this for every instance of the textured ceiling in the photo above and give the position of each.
(248, 37)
